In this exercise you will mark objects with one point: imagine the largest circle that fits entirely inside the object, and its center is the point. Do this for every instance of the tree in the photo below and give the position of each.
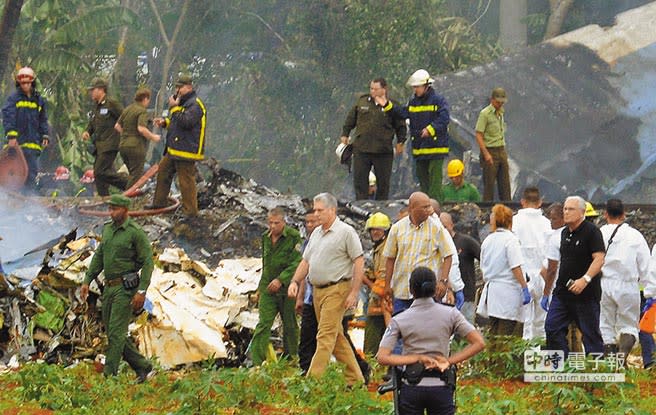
(10, 16)
(558, 13)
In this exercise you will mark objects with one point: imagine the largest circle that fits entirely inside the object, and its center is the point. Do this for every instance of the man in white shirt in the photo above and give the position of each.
(533, 230)
(626, 265)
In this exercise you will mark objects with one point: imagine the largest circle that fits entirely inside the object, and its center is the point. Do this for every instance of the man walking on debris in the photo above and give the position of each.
(533, 231)
(372, 143)
(25, 122)
(491, 138)
(185, 145)
(625, 267)
(126, 257)
(334, 262)
(428, 113)
(281, 253)
(578, 289)
(104, 138)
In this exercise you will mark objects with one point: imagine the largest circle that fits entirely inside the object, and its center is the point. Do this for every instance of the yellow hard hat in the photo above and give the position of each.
(590, 210)
(378, 220)
(455, 168)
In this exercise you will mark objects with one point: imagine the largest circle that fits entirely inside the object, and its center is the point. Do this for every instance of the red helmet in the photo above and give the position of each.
(87, 177)
(25, 74)
(62, 173)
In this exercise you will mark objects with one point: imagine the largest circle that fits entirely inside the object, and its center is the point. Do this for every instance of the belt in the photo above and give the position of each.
(331, 283)
(113, 282)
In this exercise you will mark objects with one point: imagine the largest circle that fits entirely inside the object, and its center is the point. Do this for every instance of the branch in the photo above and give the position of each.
(160, 24)
(268, 26)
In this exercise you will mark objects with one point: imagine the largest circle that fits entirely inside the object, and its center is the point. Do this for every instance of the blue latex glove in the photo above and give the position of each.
(460, 299)
(648, 303)
(526, 295)
(544, 303)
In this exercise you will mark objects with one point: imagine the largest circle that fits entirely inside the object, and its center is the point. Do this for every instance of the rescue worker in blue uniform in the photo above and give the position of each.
(428, 113)
(25, 121)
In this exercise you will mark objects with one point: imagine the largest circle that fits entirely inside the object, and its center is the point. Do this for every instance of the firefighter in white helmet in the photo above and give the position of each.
(428, 113)
(25, 121)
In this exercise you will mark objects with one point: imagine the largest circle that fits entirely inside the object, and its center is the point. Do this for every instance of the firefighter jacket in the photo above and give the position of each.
(430, 111)
(186, 124)
(24, 118)
(374, 128)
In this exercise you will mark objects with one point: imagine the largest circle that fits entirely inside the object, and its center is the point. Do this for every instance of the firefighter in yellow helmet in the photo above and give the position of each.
(379, 312)
(459, 190)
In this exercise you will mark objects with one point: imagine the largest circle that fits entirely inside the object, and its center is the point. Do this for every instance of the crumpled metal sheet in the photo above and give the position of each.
(189, 321)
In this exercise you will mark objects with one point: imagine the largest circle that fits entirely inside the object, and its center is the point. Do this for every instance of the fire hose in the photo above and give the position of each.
(135, 190)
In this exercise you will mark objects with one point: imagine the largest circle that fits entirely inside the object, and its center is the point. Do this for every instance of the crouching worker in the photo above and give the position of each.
(427, 372)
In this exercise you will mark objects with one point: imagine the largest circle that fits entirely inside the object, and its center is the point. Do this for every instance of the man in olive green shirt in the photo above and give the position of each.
(372, 142)
(490, 135)
(459, 190)
(133, 126)
(104, 138)
(124, 249)
(281, 253)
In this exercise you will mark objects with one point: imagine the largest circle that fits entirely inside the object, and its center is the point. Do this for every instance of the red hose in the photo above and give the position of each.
(134, 190)
(135, 213)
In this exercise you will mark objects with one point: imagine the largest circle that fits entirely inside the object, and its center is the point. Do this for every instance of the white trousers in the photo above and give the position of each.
(620, 309)
(535, 315)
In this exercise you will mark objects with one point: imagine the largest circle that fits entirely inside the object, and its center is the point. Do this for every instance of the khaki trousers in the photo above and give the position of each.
(186, 170)
(329, 309)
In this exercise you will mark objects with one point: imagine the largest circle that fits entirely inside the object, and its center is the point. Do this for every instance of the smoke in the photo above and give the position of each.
(24, 225)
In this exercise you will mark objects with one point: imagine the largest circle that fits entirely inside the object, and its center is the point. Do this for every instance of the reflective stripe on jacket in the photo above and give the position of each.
(186, 124)
(24, 118)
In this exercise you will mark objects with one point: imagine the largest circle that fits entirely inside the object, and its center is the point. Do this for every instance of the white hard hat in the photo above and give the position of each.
(420, 77)
(25, 73)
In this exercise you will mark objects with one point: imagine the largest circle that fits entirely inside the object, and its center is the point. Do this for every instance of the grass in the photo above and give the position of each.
(277, 388)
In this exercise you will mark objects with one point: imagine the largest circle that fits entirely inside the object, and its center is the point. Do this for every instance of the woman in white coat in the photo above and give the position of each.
(505, 291)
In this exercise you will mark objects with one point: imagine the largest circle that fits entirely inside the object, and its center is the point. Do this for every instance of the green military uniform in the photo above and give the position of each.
(375, 325)
(133, 145)
(375, 130)
(105, 141)
(278, 261)
(124, 248)
(465, 193)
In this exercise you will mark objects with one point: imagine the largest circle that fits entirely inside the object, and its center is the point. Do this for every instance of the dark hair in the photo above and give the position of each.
(381, 81)
(614, 208)
(277, 211)
(422, 282)
(531, 194)
(556, 209)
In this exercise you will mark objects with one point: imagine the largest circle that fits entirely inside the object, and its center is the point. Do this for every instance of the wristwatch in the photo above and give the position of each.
(587, 278)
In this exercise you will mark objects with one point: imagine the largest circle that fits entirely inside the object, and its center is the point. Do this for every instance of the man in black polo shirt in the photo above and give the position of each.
(578, 290)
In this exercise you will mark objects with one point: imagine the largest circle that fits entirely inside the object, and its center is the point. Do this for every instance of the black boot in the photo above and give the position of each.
(626, 344)
(608, 349)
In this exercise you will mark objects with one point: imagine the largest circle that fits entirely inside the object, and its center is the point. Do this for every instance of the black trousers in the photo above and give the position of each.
(106, 175)
(308, 339)
(362, 164)
(435, 400)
